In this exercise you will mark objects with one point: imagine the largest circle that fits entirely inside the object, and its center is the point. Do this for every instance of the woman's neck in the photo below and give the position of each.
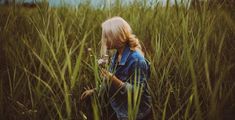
(120, 51)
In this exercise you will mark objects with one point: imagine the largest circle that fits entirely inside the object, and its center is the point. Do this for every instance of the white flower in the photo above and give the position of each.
(100, 61)
(103, 60)
(89, 49)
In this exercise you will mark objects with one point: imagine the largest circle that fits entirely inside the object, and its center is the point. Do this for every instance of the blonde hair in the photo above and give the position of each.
(117, 29)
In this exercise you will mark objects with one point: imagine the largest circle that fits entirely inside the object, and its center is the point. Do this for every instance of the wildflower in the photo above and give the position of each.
(103, 61)
(89, 52)
(89, 49)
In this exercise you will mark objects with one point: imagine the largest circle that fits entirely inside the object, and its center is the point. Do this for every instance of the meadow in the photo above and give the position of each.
(48, 55)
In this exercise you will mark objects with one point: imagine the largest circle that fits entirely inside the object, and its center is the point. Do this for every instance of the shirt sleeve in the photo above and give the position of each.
(138, 76)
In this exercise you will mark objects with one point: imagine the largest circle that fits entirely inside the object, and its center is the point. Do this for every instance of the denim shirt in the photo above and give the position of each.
(133, 69)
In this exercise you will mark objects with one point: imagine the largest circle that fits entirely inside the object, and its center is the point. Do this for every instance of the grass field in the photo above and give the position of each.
(45, 62)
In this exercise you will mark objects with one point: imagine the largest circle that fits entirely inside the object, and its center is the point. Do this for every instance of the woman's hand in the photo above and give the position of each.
(106, 73)
(86, 93)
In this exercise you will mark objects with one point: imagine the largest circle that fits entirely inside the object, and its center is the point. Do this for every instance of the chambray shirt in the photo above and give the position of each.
(133, 70)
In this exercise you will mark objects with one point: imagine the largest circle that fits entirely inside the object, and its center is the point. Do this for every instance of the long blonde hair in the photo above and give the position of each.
(117, 29)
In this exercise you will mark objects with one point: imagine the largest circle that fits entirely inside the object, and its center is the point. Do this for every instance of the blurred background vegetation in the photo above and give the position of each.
(45, 62)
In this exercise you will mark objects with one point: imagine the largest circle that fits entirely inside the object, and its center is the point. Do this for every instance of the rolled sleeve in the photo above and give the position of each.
(138, 74)
(125, 87)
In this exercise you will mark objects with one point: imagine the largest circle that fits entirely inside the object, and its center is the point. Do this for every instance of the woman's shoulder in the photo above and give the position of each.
(137, 58)
(136, 55)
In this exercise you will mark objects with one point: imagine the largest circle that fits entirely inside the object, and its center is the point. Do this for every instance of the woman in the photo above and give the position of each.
(128, 73)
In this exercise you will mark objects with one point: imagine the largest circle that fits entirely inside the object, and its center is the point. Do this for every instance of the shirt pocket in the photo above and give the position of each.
(123, 75)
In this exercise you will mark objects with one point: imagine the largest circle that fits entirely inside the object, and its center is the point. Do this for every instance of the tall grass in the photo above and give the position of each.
(47, 64)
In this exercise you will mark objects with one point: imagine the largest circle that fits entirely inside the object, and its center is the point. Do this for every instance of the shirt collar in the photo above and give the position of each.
(125, 54)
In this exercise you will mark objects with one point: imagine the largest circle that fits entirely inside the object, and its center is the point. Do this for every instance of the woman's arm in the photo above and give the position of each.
(116, 82)
(139, 72)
